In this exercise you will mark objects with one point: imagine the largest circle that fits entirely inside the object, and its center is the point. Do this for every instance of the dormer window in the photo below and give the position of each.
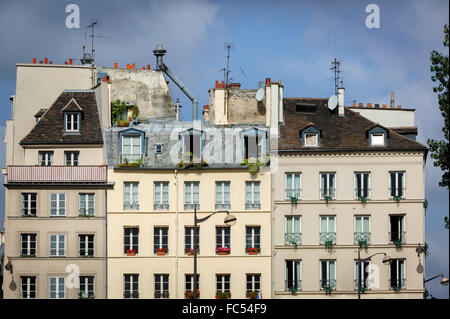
(72, 122)
(310, 137)
(377, 136)
(377, 139)
(254, 143)
(132, 147)
(192, 145)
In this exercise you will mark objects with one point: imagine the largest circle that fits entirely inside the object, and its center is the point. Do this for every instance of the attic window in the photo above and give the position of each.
(311, 139)
(377, 139)
(72, 122)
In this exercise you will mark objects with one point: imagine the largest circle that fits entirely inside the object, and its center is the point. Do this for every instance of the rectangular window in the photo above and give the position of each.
(158, 148)
(131, 240)
(45, 158)
(28, 244)
(57, 245)
(192, 146)
(86, 245)
(293, 230)
(363, 269)
(311, 140)
(377, 139)
(86, 287)
(223, 238)
(327, 185)
(71, 158)
(28, 287)
(397, 184)
(253, 146)
(253, 283)
(131, 196)
(222, 283)
(253, 238)
(72, 122)
(189, 239)
(223, 195)
(191, 195)
(131, 148)
(57, 204)
(29, 204)
(131, 286)
(362, 229)
(57, 288)
(293, 278)
(293, 186)
(161, 286)
(327, 229)
(161, 239)
(189, 284)
(252, 195)
(397, 269)
(87, 204)
(161, 196)
(362, 185)
(397, 228)
(328, 274)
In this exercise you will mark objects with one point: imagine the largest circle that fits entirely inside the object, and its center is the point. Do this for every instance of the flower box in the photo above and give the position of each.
(223, 251)
(253, 251)
(190, 252)
(161, 251)
(131, 252)
(251, 294)
(223, 295)
(189, 294)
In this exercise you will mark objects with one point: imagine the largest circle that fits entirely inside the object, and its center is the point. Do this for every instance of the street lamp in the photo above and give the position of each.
(386, 259)
(228, 220)
(444, 280)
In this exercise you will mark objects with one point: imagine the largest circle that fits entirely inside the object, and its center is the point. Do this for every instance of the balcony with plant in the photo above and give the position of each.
(328, 239)
(293, 286)
(328, 286)
(188, 160)
(293, 239)
(293, 195)
(83, 212)
(362, 239)
(398, 239)
(253, 164)
(130, 160)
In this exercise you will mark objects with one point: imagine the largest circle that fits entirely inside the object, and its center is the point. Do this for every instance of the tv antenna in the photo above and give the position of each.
(89, 58)
(228, 46)
(338, 82)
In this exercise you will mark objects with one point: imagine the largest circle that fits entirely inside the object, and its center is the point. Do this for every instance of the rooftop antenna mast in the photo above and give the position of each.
(336, 64)
(92, 25)
(228, 46)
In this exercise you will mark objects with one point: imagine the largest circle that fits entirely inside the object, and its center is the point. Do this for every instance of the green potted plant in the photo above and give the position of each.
(327, 198)
(329, 245)
(363, 243)
(398, 243)
(397, 198)
(363, 199)
(294, 200)
(328, 289)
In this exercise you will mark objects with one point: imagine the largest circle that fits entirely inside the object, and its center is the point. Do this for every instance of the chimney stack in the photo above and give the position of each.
(392, 100)
(341, 111)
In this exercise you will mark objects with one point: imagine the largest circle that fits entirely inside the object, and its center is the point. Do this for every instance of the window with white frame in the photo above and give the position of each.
(189, 243)
(161, 286)
(397, 225)
(293, 230)
(131, 196)
(28, 244)
(253, 283)
(397, 184)
(57, 245)
(86, 245)
(252, 195)
(223, 195)
(131, 148)
(362, 230)
(191, 195)
(327, 185)
(72, 122)
(397, 272)
(293, 278)
(293, 185)
(253, 238)
(29, 207)
(161, 196)
(71, 158)
(192, 146)
(362, 274)
(87, 204)
(28, 287)
(57, 204)
(328, 274)
(223, 283)
(131, 240)
(223, 237)
(57, 288)
(254, 143)
(161, 239)
(327, 229)
(311, 139)
(362, 185)
(86, 287)
(45, 158)
(131, 286)
(377, 139)
(189, 283)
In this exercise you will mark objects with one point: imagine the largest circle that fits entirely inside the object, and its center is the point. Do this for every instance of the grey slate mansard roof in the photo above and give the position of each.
(50, 128)
(347, 133)
(225, 143)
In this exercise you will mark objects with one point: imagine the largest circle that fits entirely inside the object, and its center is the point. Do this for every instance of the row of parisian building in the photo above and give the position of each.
(101, 203)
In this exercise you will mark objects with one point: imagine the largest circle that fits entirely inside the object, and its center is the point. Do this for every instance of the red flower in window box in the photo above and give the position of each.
(189, 294)
(253, 251)
(161, 251)
(131, 252)
(190, 251)
(223, 251)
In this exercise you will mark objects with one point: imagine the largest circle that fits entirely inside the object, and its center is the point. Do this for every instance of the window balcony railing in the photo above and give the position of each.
(249, 205)
(161, 206)
(293, 239)
(397, 283)
(397, 237)
(362, 237)
(131, 206)
(328, 283)
(361, 193)
(328, 193)
(364, 285)
(293, 285)
(293, 193)
(399, 192)
(86, 212)
(131, 295)
(327, 236)
(57, 174)
(162, 295)
(29, 212)
(130, 158)
(190, 206)
(223, 206)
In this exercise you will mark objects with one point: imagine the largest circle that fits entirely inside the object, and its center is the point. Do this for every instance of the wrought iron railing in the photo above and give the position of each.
(293, 238)
(327, 236)
(293, 285)
(292, 192)
(57, 174)
(249, 205)
(362, 237)
(161, 206)
(131, 206)
(328, 283)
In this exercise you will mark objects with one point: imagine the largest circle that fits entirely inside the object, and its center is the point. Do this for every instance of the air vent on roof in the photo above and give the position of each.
(305, 107)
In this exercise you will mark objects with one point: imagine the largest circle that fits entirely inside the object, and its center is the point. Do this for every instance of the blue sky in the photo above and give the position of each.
(291, 41)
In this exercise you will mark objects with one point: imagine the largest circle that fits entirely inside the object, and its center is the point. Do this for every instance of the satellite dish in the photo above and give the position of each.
(260, 94)
(332, 102)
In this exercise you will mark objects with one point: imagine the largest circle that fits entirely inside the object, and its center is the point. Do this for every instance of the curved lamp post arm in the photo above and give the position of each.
(427, 280)
(368, 258)
(201, 220)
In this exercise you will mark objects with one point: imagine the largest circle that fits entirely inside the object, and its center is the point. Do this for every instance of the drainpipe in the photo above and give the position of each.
(176, 235)
(106, 236)
(159, 52)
